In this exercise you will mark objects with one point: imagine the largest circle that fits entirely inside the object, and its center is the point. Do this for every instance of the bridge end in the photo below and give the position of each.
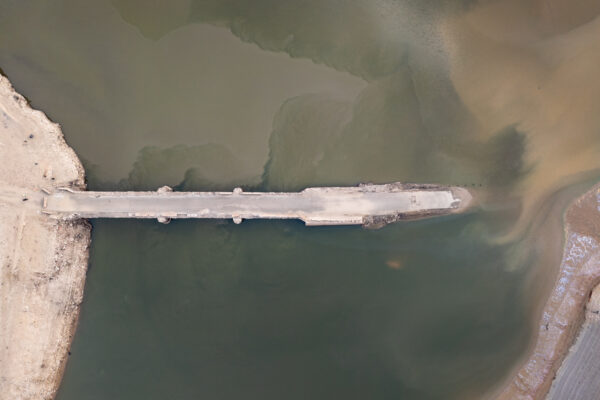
(463, 199)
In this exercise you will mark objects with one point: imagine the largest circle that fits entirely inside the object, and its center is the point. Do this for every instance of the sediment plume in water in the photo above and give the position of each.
(497, 95)
(461, 90)
(534, 65)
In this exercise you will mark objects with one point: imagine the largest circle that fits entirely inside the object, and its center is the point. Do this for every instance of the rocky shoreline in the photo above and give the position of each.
(564, 310)
(43, 262)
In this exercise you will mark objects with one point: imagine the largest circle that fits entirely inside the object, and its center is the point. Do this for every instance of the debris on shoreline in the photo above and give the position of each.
(43, 262)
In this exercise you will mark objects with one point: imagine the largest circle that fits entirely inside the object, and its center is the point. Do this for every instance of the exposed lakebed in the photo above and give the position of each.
(428, 309)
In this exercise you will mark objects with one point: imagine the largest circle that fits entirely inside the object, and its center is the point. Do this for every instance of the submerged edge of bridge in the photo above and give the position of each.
(369, 205)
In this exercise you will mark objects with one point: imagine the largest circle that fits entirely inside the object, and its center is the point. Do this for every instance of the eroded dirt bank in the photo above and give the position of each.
(564, 311)
(43, 261)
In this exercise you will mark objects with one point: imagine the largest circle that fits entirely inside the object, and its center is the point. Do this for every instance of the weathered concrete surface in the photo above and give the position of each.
(579, 376)
(43, 261)
(365, 204)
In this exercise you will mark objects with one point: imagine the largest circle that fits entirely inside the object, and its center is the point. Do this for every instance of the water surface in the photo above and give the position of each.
(274, 95)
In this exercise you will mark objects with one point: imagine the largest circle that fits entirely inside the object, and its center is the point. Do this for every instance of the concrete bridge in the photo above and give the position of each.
(369, 205)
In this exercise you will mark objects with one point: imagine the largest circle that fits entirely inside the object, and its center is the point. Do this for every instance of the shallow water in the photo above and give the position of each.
(282, 95)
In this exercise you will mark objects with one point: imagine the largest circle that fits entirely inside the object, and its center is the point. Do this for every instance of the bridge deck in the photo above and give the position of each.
(315, 206)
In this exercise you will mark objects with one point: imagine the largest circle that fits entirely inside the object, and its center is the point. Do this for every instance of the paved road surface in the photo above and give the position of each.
(315, 206)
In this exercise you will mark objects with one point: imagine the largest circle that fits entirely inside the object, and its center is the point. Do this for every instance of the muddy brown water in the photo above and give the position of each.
(273, 95)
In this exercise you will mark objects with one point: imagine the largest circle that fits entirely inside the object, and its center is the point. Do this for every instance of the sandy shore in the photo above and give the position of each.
(43, 261)
(564, 311)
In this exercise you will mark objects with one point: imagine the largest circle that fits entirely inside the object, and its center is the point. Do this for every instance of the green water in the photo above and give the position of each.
(275, 95)
(275, 310)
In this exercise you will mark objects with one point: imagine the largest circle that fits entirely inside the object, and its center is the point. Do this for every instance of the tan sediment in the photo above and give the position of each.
(563, 313)
(518, 63)
(532, 63)
(43, 261)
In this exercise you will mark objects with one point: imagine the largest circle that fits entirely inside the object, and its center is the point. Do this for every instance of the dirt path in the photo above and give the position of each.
(43, 262)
